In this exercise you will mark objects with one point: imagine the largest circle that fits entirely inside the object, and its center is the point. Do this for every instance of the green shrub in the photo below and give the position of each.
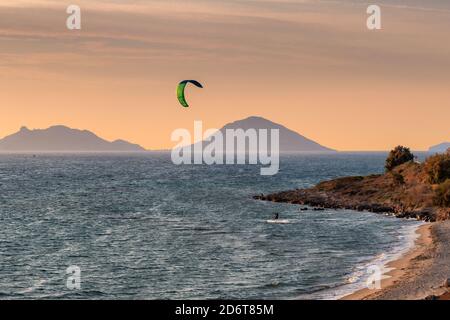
(437, 168)
(397, 157)
(442, 194)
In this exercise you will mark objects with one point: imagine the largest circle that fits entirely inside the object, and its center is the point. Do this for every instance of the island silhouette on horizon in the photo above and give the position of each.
(60, 138)
(290, 141)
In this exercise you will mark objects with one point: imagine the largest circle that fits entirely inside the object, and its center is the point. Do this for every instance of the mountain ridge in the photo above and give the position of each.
(289, 140)
(439, 148)
(62, 138)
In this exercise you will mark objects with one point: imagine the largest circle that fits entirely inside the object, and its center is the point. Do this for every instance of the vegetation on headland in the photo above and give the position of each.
(398, 156)
(438, 167)
(408, 189)
(442, 196)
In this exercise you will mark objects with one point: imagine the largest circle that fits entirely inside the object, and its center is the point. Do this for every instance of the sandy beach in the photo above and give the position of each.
(420, 273)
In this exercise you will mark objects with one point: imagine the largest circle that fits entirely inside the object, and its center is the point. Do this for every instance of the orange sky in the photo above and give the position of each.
(309, 65)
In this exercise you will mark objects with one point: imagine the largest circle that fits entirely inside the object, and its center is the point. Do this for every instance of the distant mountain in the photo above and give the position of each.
(61, 138)
(439, 148)
(290, 141)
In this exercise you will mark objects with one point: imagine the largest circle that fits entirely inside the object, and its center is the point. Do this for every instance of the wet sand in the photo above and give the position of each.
(418, 274)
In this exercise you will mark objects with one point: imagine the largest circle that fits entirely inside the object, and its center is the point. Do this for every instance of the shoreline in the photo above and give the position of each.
(396, 268)
(413, 276)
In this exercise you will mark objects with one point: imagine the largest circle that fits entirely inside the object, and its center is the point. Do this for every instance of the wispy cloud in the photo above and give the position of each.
(321, 48)
(317, 37)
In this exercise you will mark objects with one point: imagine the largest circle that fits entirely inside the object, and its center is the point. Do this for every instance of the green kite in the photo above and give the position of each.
(180, 91)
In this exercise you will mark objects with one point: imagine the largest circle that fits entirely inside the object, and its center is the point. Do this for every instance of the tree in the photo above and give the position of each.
(442, 195)
(438, 168)
(397, 157)
(398, 178)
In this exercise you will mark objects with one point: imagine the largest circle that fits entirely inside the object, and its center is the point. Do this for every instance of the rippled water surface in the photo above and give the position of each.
(140, 227)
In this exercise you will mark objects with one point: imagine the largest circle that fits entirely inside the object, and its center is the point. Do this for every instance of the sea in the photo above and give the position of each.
(136, 226)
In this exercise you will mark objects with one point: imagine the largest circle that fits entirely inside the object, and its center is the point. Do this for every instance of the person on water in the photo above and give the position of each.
(275, 216)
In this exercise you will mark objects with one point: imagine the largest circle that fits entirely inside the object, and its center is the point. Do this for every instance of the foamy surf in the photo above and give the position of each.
(358, 279)
(278, 221)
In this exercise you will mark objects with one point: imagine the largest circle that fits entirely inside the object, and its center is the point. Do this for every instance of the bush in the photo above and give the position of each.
(397, 157)
(437, 168)
(398, 178)
(442, 194)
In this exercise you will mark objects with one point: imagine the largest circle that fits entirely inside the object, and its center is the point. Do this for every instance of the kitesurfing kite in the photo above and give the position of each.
(180, 90)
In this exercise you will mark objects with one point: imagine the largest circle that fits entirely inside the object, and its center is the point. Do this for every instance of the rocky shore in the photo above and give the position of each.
(403, 192)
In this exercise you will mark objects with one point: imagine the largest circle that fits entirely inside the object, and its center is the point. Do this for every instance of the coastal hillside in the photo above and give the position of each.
(408, 190)
(62, 138)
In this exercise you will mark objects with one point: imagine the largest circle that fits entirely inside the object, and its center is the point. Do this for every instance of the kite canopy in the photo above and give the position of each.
(180, 91)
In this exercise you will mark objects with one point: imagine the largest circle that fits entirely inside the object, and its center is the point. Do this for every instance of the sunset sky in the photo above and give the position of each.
(310, 65)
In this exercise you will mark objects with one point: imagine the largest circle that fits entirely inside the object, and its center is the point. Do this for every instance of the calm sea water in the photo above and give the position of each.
(141, 228)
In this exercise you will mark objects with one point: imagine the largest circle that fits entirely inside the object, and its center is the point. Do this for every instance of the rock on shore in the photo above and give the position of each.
(403, 192)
